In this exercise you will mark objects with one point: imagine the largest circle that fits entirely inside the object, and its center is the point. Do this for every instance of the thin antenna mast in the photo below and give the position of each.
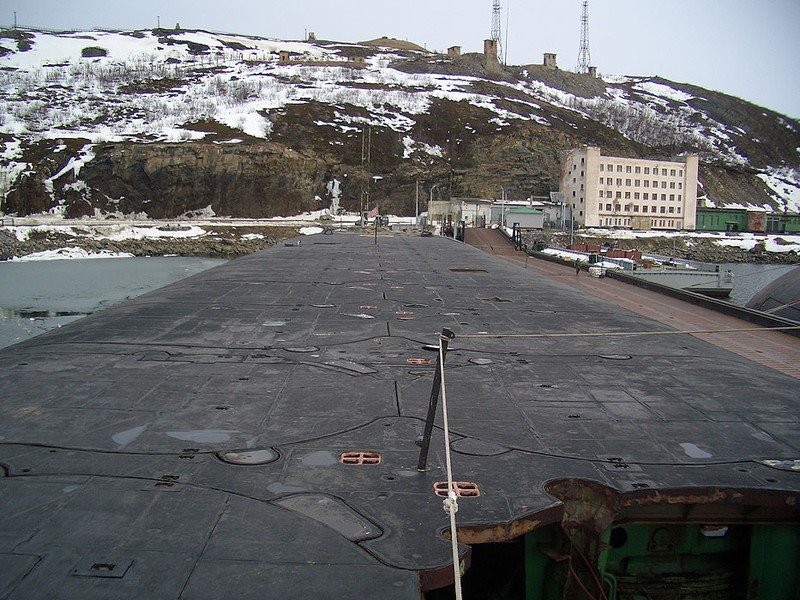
(584, 58)
(497, 35)
(508, 17)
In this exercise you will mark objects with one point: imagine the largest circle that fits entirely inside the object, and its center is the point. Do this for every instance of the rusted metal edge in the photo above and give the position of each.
(731, 506)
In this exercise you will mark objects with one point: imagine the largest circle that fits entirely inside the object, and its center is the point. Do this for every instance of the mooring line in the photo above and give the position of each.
(451, 502)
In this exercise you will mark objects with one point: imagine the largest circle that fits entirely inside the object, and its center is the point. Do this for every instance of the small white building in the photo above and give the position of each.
(443, 211)
(483, 212)
(475, 212)
(530, 214)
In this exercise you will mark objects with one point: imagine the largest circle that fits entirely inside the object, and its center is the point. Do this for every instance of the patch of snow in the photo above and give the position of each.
(793, 245)
(201, 213)
(128, 232)
(408, 147)
(618, 79)
(567, 254)
(310, 230)
(740, 206)
(23, 232)
(334, 187)
(75, 164)
(69, 253)
(790, 243)
(252, 236)
(432, 150)
(785, 187)
(306, 216)
(178, 134)
(743, 240)
(663, 91)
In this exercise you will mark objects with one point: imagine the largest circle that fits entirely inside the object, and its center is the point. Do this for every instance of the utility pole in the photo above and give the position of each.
(416, 204)
(505, 47)
(584, 58)
(366, 160)
(433, 187)
(571, 227)
(502, 206)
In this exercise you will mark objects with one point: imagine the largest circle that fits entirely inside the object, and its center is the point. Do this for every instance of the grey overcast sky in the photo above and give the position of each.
(748, 48)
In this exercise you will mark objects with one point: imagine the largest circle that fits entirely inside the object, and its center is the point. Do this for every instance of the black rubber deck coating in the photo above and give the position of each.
(110, 425)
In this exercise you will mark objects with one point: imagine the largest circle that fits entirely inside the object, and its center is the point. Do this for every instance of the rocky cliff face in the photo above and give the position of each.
(192, 122)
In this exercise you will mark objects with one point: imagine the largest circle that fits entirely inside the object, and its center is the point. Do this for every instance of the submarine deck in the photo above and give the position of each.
(187, 444)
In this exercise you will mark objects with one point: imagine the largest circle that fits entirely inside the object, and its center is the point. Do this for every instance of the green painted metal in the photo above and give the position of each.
(774, 563)
(735, 219)
(546, 557)
(791, 223)
(716, 219)
(661, 561)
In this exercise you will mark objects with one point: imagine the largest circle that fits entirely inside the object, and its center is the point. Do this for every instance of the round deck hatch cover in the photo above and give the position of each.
(249, 457)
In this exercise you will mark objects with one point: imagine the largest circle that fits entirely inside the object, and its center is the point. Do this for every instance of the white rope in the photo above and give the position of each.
(451, 502)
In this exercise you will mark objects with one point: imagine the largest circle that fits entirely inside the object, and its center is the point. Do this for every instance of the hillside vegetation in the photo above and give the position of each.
(168, 122)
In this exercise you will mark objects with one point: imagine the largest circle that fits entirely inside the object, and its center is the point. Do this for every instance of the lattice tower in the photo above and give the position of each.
(496, 33)
(584, 57)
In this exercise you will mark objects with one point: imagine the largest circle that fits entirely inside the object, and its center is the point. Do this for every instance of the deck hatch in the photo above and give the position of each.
(107, 569)
(360, 458)
(463, 489)
(419, 361)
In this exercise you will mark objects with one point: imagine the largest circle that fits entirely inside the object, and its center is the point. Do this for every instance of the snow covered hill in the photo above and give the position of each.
(169, 121)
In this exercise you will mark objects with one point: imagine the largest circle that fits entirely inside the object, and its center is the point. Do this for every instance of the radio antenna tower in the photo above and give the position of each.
(584, 58)
(496, 33)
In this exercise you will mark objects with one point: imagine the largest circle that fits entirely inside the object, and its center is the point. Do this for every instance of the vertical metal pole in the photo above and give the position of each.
(446, 337)
(416, 211)
(502, 207)
(571, 228)
(376, 230)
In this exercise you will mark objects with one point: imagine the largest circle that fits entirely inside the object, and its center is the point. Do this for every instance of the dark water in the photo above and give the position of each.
(38, 296)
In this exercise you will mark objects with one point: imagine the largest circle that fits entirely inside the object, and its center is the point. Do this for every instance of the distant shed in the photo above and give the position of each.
(528, 218)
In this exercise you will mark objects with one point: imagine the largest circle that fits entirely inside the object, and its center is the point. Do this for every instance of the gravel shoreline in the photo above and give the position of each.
(217, 242)
(227, 240)
(701, 249)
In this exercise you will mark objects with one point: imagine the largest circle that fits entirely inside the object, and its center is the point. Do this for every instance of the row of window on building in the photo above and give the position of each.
(638, 183)
(637, 170)
(635, 208)
(643, 196)
(654, 223)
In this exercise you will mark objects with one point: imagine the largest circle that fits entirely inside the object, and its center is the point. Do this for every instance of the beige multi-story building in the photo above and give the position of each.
(610, 191)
